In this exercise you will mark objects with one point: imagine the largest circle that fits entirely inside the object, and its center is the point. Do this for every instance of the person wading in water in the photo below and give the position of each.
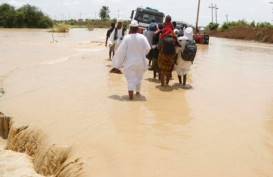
(117, 35)
(111, 47)
(132, 55)
(167, 52)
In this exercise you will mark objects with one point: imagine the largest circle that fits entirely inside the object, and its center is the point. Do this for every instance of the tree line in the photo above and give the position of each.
(25, 17)
(215, 26)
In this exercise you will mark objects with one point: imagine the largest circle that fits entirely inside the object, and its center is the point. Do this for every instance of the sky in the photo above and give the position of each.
(179, 10)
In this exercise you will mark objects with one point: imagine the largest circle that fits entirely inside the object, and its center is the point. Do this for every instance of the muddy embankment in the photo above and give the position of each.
(245, 33)
(48, 160)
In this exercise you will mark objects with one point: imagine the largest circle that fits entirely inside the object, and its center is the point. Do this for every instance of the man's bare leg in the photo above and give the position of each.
(131, 94)
(110, 52)
(154, 74)
(184, 79)
(162, 78)
(168, 76)
(180, 79)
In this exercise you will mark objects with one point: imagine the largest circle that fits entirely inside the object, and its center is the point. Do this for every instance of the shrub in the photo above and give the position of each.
(253, 24)
(241, 22)
(264, 25)
(60, 28)
(259, 35)
(225, 26)
(213, 26)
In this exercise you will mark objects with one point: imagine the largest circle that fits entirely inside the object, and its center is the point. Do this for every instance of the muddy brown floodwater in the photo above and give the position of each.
(223, 126)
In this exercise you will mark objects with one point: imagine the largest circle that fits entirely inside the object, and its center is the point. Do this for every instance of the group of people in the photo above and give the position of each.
(160, 44)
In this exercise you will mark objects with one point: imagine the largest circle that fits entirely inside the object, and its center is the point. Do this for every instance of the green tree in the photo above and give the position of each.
(19, 19)
(32, 15)
(25, 17)
(104, 13)
(213, 26)
(7, 15)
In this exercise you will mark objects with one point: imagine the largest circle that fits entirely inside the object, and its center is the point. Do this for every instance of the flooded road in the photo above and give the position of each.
(221, 127)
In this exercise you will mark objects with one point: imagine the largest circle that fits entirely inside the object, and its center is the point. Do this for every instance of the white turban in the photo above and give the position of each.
(134, 23)
(119, 20)
(188, 33)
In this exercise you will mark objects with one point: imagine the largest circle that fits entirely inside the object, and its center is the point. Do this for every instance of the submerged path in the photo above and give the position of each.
(221, 127)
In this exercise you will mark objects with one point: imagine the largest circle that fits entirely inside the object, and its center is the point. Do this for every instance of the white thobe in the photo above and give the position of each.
(182, 66)
(132, 54)
(118, 40)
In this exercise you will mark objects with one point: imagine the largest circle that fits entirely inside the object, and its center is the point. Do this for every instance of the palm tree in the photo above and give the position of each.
(104, 13)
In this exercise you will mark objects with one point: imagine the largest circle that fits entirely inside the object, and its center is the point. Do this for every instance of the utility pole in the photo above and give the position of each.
(211, 6)
(271, 2)
(216, 8)
(95, 15)
(197, 17)
(227, 17)
(118, 13)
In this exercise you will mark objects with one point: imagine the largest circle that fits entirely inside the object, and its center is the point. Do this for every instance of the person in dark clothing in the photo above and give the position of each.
(155, 50)
(111, 48)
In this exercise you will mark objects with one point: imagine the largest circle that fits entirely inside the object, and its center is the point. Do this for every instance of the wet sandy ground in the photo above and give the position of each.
(221, 127)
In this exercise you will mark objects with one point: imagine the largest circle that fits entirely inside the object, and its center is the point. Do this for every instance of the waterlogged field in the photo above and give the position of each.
(221, 127)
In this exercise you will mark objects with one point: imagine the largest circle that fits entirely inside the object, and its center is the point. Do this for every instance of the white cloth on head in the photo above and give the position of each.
(188, 33)
(132, 54)
(182, 66)
(134, 23)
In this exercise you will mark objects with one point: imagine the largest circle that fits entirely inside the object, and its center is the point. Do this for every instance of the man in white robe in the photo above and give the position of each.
(117, 35)
(132, 55)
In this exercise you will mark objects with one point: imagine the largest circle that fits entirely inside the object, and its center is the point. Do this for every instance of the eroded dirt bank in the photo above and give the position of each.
(245, 33)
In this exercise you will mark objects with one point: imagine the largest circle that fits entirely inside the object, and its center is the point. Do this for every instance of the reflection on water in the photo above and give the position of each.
(220, 127)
